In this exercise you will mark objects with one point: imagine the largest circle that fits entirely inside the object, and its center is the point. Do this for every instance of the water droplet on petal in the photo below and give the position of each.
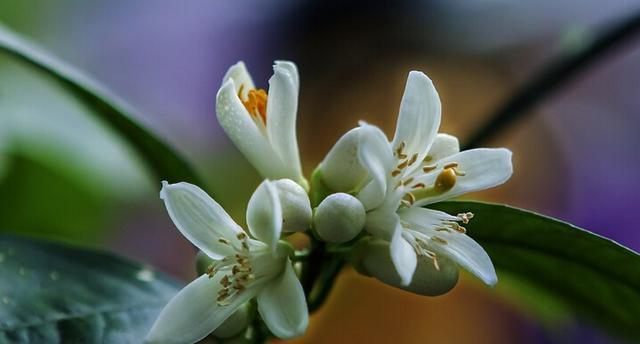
(145, 275)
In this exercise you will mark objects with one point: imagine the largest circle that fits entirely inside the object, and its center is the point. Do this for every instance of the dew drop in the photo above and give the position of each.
(145, 275)
(54, 275)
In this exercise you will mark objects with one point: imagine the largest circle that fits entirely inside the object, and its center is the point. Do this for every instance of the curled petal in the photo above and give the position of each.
(194, 313)
(419, 117)
(341, 168)
(241, 77)
(282, 305)
(444, 145)
(376, 156)
(264, 214)
(403, 257)
(199, 218)
(282, 107)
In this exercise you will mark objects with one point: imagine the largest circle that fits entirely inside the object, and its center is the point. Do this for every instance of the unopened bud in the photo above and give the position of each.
(341, 169)
(236, 323)
(296, 208)
(339, 218)
(374, 259)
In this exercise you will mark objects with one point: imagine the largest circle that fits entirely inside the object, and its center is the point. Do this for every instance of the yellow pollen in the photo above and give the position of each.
(395, 173)
(428, 169)
(419, 186)
(413, 159)
(256, 103)
(402, 165)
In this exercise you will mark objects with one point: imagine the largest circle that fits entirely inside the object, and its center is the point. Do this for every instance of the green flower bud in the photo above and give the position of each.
(339, 218)
(236, 323)
(296, 208)
(373, 259)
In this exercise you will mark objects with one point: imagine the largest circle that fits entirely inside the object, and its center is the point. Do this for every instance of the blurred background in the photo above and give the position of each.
(67, 177)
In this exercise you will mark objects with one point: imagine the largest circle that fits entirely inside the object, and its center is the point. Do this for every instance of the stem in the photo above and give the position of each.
(326, 281)
(313, 266)
(552, 78)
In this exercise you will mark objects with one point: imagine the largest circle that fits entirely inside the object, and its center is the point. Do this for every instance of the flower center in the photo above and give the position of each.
(445, 181)
(255, 103)
(237, 270)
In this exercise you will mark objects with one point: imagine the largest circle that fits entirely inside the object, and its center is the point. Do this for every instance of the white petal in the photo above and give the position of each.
(282, 305)
(341, 168)
(264, 214)
(295, 205)
(419, 117)
(376, 156)
(238, 72)
(291, 68)
(403, 256)
(444, 145)
(282, 107)
(459, 247)
(199, 218)
(236, 121)
(483, 167)
(382, 223)
(194, 313)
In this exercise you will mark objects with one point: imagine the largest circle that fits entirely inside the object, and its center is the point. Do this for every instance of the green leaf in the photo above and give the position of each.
(597, 278)
(51, 293)
(162, 160)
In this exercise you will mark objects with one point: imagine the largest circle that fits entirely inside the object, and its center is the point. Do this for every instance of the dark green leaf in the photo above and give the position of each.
(51, 293)
(162, 160)
(597, 278)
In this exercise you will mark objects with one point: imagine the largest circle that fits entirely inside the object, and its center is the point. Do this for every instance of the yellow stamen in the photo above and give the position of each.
(256, 103)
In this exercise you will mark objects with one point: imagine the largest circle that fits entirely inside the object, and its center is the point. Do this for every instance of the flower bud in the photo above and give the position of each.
(203, 262)
(341, 169)
(339, 218)
(374, 260)
(236, 323)
(296, 208)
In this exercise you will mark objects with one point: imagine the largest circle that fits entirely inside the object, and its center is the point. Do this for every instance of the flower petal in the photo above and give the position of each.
(459, 247)
(236, 121)
(282, 107)
(264, 214)
(376, 156)
(238, 72)
(341, 168)
(194, 313)
(483, 167)
(419, 117)
(403, 256)
(443, 146)
(282, 305)
(199, 218)
(382, 223)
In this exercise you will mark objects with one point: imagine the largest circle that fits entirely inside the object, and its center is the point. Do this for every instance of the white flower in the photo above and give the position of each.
(418, 167)
(261, 125)
(244, 267)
